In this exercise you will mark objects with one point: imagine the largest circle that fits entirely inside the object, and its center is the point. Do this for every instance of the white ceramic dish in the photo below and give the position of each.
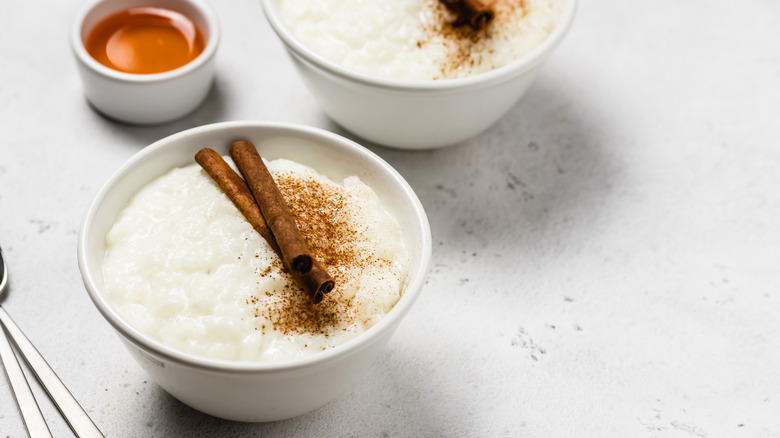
(416, 114)
(146, 98)
(245, 391)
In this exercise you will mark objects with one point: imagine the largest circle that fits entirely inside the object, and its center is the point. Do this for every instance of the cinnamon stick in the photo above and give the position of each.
(294, 252)
(472, 12)
(316, 282)
(236, 189)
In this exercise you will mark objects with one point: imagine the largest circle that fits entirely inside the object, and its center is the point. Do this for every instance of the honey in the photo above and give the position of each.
(145, 40)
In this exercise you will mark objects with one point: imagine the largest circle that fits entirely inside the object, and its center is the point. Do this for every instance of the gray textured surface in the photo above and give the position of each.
(605, 257)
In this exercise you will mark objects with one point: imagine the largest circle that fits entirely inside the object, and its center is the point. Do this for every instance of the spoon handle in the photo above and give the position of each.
(31, 413)
(74, 414)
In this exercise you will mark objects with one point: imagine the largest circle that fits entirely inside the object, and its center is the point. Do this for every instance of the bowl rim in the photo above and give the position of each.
(501, 74)
(209, 52)
(150, 345)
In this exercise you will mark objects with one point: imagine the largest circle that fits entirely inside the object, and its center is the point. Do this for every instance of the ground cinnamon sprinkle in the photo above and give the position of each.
(463, 44)
(325, 219)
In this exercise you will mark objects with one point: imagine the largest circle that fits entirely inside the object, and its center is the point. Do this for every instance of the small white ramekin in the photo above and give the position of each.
(416, 114)
(250, 391)
(146, 98)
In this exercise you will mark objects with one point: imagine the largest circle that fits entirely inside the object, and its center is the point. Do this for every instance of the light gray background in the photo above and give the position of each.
(605, 257)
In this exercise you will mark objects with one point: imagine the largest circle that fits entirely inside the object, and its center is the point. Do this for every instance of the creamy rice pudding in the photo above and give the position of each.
(415, 39)
(184, 266)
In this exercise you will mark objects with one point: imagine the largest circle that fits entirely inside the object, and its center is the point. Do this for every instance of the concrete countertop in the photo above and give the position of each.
(606, 257)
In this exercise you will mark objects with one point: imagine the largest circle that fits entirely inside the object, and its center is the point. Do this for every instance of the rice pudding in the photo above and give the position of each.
(415, 39)
(184, 266)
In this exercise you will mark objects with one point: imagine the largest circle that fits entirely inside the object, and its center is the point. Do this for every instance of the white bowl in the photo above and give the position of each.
(146, 98)
(251, 391)
(416, 114)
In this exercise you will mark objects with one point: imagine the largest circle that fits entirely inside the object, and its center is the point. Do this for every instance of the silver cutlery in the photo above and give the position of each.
(74, 414)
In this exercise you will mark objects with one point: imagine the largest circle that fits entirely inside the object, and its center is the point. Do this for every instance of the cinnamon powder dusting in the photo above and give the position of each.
(324, 217)
(464, 45)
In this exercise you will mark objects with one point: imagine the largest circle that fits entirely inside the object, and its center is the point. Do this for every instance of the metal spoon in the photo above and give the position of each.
(31, 413)
(74, 414)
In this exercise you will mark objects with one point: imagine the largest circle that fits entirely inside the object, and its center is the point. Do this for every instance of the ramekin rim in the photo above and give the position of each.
(209, 52)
